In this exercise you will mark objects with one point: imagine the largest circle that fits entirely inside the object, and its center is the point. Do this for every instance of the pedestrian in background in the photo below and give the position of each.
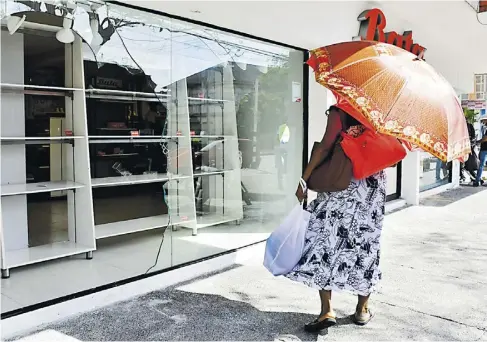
(472, 164)
(482, 154)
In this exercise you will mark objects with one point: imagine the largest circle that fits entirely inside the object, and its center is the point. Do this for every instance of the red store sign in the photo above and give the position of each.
(372, 27)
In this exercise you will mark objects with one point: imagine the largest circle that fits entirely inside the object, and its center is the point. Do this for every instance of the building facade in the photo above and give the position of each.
(146, 135)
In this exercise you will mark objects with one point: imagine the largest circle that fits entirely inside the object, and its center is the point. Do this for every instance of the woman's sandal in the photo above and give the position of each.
(362, 318)
(318, 325)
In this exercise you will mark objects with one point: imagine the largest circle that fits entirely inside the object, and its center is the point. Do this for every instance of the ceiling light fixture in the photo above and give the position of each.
(66, 35)
(14, 22)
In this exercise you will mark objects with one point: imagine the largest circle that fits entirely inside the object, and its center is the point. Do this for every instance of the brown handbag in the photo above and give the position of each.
(335, 172)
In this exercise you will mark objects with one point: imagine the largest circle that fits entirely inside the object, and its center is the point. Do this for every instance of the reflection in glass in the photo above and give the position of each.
(433, 172)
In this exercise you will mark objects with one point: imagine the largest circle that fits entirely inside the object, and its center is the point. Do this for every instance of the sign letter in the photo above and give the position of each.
(372, 25)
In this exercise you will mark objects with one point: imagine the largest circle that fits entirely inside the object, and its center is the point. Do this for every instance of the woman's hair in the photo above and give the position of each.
(332, 108)
(349, 120)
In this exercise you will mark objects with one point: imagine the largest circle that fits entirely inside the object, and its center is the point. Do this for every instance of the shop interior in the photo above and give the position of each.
(107, 169)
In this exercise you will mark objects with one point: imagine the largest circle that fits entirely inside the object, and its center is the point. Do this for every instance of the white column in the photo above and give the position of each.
(455, 174)
(410, 178)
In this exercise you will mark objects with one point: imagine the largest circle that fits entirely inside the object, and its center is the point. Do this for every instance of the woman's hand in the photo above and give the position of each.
(301, 194)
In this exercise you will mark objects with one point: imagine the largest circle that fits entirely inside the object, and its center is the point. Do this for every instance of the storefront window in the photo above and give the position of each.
(433, 172)
(166, 142)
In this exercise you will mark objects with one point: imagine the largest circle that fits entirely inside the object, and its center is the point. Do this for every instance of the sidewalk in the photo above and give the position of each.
(434, 263)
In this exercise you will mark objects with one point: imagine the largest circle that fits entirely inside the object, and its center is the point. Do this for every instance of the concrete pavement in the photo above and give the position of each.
(434, 263)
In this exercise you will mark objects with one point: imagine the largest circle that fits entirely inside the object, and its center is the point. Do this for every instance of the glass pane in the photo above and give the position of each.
(245, 123)
(128, 108)
(191, 144)
(433, 172)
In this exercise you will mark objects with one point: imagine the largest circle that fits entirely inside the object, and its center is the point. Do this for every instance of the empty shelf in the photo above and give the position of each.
(210, 173)
(131, 226)
(32, 188)
(39, 140)
(133, 179)
(198, 99)
(125, 95)
(214, 219)
(120, 139)
(38, 90)
(26, 256)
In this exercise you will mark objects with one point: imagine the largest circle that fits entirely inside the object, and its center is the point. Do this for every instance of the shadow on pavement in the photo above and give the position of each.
(449, 197)
(185, 316)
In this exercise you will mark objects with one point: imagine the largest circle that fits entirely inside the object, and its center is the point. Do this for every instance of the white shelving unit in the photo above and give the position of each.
(197, 196)
(75, 181)
(218, 197)
(176, 138)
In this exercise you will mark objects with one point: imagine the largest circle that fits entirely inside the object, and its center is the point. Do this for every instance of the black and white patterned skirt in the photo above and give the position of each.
(342, 246)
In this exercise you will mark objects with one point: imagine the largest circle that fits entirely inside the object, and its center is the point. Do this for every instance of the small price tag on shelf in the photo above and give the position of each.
(134, 133)
(184, 218)
(68, 133)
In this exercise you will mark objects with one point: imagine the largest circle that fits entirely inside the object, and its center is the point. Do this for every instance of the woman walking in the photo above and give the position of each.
(342, 244)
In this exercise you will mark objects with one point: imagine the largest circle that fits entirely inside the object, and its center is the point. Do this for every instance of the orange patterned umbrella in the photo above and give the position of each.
(397, 93)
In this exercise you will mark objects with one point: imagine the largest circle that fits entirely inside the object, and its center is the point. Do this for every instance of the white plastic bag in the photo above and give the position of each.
(284, 247)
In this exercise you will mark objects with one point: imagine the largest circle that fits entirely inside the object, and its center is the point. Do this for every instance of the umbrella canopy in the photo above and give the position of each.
(396, 93)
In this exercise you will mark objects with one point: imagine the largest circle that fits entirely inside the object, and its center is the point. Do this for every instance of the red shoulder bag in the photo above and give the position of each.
(372, 152)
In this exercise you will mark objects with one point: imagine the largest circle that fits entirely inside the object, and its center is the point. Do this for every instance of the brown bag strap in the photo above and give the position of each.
(343, 120)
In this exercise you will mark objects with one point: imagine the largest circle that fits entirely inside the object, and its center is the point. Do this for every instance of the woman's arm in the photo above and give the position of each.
(333, 129)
